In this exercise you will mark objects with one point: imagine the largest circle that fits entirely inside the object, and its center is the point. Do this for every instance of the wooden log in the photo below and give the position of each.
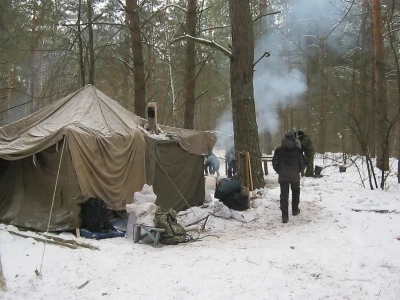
(3, 285)
(57, 241)
(72, 242)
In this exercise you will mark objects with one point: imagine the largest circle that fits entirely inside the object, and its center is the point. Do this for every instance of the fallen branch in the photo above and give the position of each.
(44, 240)
(72, 242)
(379, 211)
(56, 241)
(3, 286)
(83, 285)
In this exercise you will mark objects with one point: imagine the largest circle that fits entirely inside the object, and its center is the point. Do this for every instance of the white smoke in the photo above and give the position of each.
(279, 79)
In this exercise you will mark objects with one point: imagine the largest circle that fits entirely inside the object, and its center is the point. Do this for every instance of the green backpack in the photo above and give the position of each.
(174, 232)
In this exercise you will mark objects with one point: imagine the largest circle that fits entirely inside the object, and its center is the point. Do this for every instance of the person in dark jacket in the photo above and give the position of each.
(230, 159)
(211, 164)
(308, 150)
(288, 161)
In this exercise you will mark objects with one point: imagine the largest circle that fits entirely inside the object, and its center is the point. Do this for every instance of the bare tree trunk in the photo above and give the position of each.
(90, 44)
(126, 71)
(172, 85)
(394, 49)
(80, 47)
(10, 94)
(242, 90)
(372, 106)
(380, 90)
(190, 79)
(322, 87)
(309, 88)
(363, 95)
(32, 59)
(138, 65)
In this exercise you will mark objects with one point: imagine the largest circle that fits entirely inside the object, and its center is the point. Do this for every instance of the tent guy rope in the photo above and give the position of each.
(52, 201)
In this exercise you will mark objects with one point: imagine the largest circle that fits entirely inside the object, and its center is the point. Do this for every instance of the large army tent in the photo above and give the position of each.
(87, 145)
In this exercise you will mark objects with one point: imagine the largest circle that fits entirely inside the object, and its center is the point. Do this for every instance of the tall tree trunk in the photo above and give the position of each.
(308, 106)
(91, 43)
(242, 91)
(32, 59)
(372, 128)
(190, 79)
(363, 95)
(380, 90)
(138, 65)
(322, 86)
(392, 39)
(80, 47)
(10, 93)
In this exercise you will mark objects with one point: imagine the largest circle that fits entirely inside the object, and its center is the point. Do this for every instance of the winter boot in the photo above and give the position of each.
(285, 219)
(295, 212)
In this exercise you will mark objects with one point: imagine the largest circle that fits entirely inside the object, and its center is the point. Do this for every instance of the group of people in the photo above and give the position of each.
(293, 157)
(211, 164)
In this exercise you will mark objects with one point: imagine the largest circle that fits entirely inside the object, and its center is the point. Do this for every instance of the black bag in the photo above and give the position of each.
(94, 216)
(236, 201)
(225, 187)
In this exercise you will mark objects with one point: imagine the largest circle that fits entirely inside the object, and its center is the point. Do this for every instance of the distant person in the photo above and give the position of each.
(298, 143)
(288, 161)
(308, 150)
(231, 161)
(211, 165)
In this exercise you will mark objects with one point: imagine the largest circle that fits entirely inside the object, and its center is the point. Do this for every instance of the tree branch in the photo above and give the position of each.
(266, 54)
(15, 106)
(175, 6)
(215, 27)
(268, 14)
(209, 43)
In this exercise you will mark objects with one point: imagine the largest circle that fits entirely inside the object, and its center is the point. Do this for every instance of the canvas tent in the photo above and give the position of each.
(87, 145)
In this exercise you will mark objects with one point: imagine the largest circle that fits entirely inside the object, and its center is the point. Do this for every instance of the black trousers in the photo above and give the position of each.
(284, 199)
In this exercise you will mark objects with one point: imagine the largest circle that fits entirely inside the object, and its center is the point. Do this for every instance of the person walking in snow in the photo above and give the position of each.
(211, 164)
(308, 150)
(288, 161)
(231, 161)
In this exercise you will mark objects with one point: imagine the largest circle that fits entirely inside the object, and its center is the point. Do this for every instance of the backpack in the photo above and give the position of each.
(174, 232)
(94, 216)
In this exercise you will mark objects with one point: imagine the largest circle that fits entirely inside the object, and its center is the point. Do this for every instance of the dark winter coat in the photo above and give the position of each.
(288, 160)
(306, 145)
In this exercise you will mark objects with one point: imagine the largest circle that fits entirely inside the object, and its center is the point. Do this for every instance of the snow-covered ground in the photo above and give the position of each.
(329, 251)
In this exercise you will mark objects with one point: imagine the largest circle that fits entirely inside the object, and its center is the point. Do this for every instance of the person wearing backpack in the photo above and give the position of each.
(288, 161)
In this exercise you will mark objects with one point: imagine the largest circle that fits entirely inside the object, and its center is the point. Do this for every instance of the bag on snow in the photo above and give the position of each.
(94, 216)
(174, 232)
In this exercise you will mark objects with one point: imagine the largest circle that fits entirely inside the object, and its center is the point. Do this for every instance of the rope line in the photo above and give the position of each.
(184, 199)
(52, 203)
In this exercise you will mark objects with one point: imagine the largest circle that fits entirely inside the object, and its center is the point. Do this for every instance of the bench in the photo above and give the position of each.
(152, 232)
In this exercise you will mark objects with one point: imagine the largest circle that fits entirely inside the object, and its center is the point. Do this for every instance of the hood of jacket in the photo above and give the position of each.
(289, 141)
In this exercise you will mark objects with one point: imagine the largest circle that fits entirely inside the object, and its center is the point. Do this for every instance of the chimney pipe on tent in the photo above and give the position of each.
(152, 117)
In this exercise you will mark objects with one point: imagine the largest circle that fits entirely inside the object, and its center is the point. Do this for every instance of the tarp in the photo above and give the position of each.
(177, 176)
(104, 156)
(104, 141)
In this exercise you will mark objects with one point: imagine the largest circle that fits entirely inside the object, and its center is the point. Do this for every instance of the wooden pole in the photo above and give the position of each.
(3, 285)
(249, 168)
